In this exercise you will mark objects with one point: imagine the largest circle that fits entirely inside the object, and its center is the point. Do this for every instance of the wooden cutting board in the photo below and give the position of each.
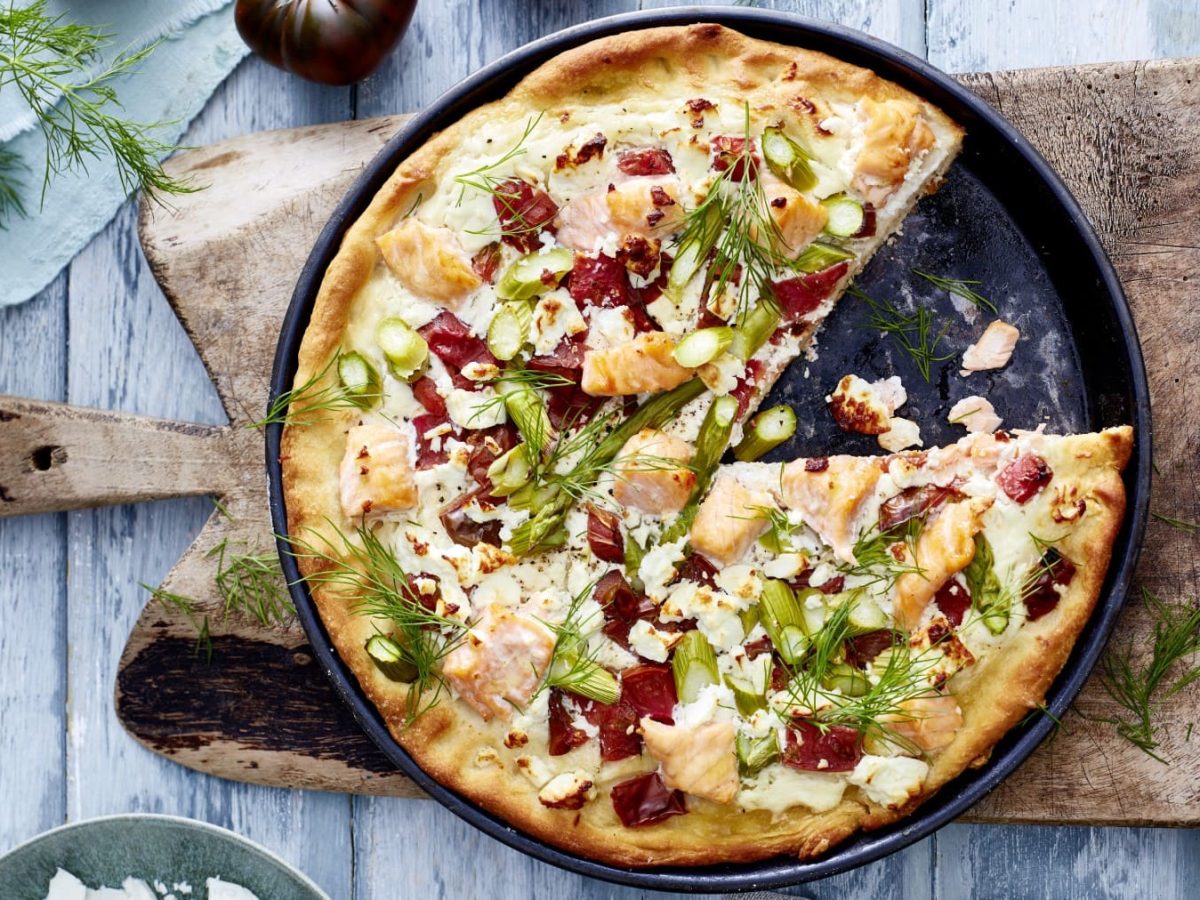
(1124, 136)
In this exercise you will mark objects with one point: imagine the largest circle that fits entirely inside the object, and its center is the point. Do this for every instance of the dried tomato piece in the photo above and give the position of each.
(593, 148)
(912, 503)
(650, 689)
(427, 456)
(1024, 477)
(523, 211)
(604, 535)
(729, 150)
(816, 464)
(645, 799)
(488, 445)
(863, 648)
(1042, 596)
(759, 647)
(953, 601)
(744, 389)
(645, 161)
(564, 736)
(697, 107)
(600, 281)
(464, 530)
(696, 568)
(451, 341)
(426, 392)
(799, 296)
(486, 262)
(617, 722)
(808, 749)
(639, 255)
(868, 226)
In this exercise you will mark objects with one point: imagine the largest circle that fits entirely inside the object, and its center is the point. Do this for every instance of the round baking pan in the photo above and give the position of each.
(1003, 217)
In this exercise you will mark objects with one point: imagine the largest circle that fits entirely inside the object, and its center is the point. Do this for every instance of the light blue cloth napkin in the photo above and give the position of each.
(200, 47)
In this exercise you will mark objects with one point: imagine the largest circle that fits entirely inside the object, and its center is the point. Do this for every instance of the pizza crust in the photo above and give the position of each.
(450, 742)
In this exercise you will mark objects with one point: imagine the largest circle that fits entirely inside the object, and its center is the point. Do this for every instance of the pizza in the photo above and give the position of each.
(503, 465)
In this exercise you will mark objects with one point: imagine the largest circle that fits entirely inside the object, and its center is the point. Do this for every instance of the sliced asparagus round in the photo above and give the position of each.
(767, 430)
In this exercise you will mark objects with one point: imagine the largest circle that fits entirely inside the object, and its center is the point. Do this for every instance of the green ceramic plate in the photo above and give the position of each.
(105, 851)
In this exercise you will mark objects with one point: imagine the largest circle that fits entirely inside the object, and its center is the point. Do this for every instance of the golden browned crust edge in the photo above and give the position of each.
(446, 741)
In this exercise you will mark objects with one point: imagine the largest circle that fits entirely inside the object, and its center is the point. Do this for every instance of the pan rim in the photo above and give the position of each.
(954, 798)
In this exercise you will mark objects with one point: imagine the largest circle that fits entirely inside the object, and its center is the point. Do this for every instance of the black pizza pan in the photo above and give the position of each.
(1004, 218)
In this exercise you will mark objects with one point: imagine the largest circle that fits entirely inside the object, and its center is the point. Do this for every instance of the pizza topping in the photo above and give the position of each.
(464, 530)
(645, 800)
(928, 722)
(426, 391)
(847, 216)
(645, 161)
(604, 535)
(535, 274)
(798, 220)
(699, 760)
(993, 350)
(564, 736)
(797, 297)
(1024, 477)
(617, 723)
(865, 407)
(914, 502)
(486, 262)
(480, 668)
(639, 255)
(593, 148)
(523, 211)
(744, 390)
(567, 790)
(652, 473)
(894, 134)
(975, 414)
(889, 781)
(375, 475)
(698, 106)
(829, 499)
(600, 281)
(650, 689)
(901, 434)
(428, 261)
(828, 748)
(945, 547)
(1049, 583)
(732, 153)
(765, 432)
(730, 519)
(451, 341)
(644, 365)
(952, 601)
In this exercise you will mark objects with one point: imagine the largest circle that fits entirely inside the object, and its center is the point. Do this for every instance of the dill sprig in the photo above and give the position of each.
(912, 331)
(313, 396)
(573, 663)
(11, 165)
(750, 239)
(1181, 524)
(1140, 688)
(48, 61)
(187, 606)
(367, 574)
(874, 559)
(960, 287)
(251, 584)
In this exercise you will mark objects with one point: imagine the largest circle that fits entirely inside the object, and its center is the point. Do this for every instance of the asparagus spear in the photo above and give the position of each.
(710, 447)
(767, 430)
(359, 379)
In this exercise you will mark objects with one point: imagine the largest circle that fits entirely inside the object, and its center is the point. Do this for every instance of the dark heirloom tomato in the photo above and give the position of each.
(696, 568)
(799, 296)
(604, 535)
(328, 41)
(644, 800)
(953, 601)
(451, 341)
(617, 722)
(1024, 477)
(426, 392)
(523, 211)
(810, 750)
(650, 689)
(427, 456)
(863, 648)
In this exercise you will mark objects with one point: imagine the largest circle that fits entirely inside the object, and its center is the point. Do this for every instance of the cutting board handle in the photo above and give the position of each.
(55, 457)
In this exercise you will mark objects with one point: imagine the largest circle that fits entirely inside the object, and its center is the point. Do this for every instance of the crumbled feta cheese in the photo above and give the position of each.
(658, 567)
(609, 327)
(901, 434)
(556, 316)
(721, 375)
(568, 790)
(475, 409)
(889, 780)
(786, 566)
(740, 581)
(649, 643)
(716, 613)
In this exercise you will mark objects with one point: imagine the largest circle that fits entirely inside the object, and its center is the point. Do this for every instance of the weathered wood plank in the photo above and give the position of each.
(33, 560)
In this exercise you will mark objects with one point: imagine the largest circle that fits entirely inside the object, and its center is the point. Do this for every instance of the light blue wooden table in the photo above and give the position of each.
(102, 335)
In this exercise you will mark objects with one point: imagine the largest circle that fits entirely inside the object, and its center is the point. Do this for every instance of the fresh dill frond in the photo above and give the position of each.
(1140, 687)
(912, 331)
(1181, 524)
(11, 167)
(485, 180)
(873, 555)
(960, 287)
(361, 569)
(48, 62)
(251, 584)
(187, 606)
(573, 665)
(313, 396)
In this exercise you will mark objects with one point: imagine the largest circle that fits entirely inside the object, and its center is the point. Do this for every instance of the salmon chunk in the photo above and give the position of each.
(645, 478)
(698, 760)
(500, 662)
(946, 546)
(894, 134)
(643, 365)
(730, 520)
(428, 261)
(643, 207)
(929, 722)
(993, 350)
(829, 499)
(376, 475)
(798, 218)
